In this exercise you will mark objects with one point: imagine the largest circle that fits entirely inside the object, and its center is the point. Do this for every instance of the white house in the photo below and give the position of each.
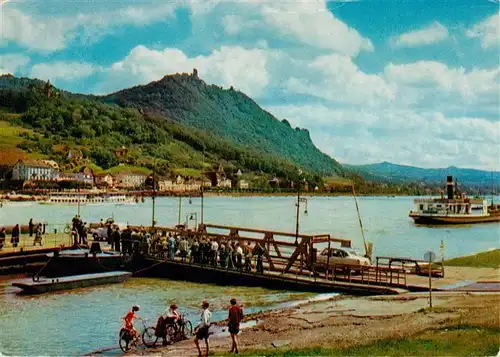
(243, 185)
(104, 179)
(33, 170)
(130, 179)
(224, 183)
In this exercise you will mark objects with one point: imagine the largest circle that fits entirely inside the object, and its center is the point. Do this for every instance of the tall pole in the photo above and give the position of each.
(430, 281)
(154, 194)
(202, 185)
(492, 190)
(359, 218)
(78, 203)
(180, 208)
(298, 214)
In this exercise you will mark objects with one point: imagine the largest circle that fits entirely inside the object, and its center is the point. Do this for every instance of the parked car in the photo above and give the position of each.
(341, 256)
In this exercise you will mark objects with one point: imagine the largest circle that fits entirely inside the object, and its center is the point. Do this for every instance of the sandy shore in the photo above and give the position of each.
(349, 322)
(346, 321)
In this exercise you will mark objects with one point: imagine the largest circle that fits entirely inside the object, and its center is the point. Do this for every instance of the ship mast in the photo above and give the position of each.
(359, 218)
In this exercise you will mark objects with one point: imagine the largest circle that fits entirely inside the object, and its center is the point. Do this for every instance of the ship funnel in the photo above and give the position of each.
(450, 187)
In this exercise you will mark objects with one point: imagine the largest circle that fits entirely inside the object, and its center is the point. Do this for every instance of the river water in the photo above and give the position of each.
(78, 321)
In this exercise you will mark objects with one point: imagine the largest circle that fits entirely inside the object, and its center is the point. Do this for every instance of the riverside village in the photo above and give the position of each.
(304, 178)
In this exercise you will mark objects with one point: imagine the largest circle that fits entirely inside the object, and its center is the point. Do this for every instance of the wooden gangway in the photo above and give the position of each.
(288, 256)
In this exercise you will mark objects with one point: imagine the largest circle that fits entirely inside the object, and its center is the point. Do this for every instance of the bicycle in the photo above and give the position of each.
(151, 335)
(173, 332)
(128, 340)
(182, 330)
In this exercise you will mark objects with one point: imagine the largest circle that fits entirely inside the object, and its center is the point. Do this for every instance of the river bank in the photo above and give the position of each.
(459, 323)
(341, 325)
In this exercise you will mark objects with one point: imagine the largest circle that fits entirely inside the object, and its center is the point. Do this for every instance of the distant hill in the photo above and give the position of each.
(39, 120)
(227, 113)
(386, 171)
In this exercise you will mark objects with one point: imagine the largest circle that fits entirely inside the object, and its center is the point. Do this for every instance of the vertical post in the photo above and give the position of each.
(180, 207)
(78, 203)
(202, 182)
(298, 215)
(328, 260)
(430, 282)
(154, 195)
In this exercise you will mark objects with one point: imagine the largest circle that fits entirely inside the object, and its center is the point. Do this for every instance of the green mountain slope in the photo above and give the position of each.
(58, 122)
(226, 113)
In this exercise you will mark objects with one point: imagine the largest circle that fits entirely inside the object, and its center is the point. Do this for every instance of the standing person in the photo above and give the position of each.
(15, 236)
(202, 329)
(171, 247)
(235, 316)
(183, 247)
(83, 233)
(109, 236)
(239, 256)
(2, 237)
(259, 252)
(214, 250)
(38, 234)
(31, 226)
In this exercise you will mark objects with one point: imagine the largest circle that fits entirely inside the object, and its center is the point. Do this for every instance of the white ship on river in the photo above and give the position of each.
(90, 198)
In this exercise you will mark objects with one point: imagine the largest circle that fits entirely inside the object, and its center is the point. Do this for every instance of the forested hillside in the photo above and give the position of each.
(226, 113)
(60, 121)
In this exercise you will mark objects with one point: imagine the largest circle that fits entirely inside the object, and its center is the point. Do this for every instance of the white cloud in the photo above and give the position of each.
(488, 31)
(304, 22)
(229, 66)
(428, 139)
(61, 70)
(337, 78)
(40, 34)
(312, 23)
(53, 33)
(429, 76)
(428, 35)
(11, 63)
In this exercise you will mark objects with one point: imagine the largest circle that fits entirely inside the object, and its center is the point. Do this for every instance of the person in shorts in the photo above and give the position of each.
(235, 315)
(202, 329)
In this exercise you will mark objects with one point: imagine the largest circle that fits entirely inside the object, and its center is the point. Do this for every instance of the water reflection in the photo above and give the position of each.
(78, 321)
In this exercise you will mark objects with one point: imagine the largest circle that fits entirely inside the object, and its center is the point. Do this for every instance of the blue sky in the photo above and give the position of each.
(410, 82)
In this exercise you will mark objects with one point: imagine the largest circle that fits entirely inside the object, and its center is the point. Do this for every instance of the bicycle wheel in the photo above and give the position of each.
(187, 329)
(125, 340)
(170, 334)
(149, 337)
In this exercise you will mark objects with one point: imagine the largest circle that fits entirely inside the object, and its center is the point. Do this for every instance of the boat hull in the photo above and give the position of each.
(438, 220)
(78, 263)
(45, 285)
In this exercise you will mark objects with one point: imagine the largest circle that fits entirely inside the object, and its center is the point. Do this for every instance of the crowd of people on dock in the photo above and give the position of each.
(187, 246)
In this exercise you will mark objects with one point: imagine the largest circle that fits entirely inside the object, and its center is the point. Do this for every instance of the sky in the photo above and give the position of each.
(412, 82)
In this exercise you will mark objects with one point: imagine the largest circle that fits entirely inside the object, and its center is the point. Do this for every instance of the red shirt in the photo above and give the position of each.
(129, 319)
(235, 316)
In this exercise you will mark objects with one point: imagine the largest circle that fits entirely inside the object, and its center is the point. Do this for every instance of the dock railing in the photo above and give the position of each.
(412, 266)
(284, 258)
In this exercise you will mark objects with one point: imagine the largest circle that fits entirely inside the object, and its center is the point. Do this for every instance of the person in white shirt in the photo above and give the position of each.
(202, 329)
(239, 256)
(215, 249)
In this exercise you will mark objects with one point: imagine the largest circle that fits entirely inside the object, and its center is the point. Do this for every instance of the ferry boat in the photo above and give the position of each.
(455, 208)
(89, 198)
